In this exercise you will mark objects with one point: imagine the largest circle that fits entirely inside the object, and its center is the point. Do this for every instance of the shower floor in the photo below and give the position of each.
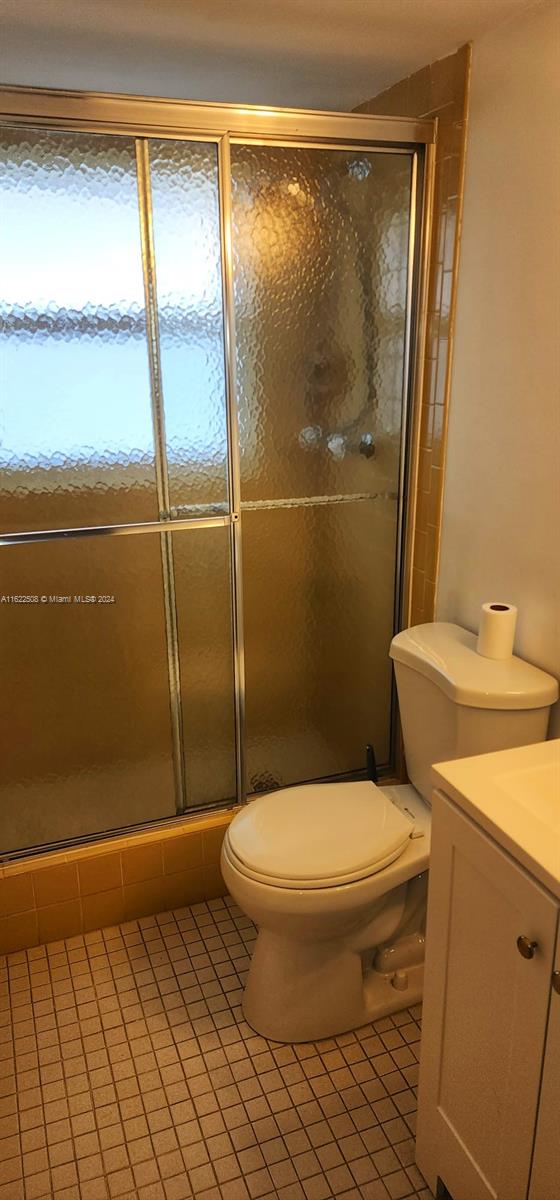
(127, 1071)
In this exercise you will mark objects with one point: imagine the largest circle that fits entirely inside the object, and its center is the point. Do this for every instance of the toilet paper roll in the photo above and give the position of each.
(496, 631)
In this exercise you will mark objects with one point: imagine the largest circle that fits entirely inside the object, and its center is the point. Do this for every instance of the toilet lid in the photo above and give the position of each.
(319, 835)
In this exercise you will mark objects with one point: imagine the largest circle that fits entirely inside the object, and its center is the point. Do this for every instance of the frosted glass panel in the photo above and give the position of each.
(186, 219)
(84, 702)
(318, 597)
(320, 244)
(75, 415)
(202, 588)
(76, 437)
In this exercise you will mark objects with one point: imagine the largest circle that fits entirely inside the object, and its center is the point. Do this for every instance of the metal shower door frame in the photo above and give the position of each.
(222, 124)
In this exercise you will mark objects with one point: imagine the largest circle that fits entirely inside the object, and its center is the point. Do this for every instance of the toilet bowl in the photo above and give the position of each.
(334, 875)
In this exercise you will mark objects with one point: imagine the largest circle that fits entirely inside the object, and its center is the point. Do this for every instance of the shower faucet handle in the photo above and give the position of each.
(367, 445)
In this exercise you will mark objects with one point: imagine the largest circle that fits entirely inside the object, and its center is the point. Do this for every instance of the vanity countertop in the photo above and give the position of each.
(515, 796)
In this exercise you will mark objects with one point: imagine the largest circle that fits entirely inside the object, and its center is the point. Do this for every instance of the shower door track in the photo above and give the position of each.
(223, 124)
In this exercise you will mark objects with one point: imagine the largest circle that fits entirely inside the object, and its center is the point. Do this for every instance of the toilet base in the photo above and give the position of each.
(382, 997)
(302, 992)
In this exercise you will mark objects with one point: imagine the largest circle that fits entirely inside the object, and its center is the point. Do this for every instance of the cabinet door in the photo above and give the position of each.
(545, 1175)
(485, 1010)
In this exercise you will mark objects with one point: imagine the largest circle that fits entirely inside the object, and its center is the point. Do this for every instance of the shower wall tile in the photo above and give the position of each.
(181, 884)
(214, 885)
(212, 844)
(142, 862)
(57, 885)
(62, 893)
(439, 90)
(99, 874)
(58, 921)
(102, 909)
(19, 932)
(183, 852)
(16, 895)
(142, 898)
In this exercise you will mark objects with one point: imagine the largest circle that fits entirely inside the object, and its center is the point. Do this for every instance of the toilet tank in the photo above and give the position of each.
(454, 702)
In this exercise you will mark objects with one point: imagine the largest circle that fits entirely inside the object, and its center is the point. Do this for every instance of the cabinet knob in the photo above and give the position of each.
(526, 947)
(556, 981)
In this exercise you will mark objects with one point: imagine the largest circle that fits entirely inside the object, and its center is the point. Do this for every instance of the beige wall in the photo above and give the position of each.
(501, 513)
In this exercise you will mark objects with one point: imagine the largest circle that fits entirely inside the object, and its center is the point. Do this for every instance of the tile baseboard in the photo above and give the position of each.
(48, 897)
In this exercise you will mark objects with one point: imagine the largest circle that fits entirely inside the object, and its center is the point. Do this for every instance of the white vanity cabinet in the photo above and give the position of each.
(489, 1094)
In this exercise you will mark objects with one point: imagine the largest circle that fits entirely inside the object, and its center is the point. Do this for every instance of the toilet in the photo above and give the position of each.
(334, 875)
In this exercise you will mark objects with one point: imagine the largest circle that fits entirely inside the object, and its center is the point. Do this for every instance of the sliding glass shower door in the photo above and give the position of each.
(117, 704)
(203, 366)
(321, 246)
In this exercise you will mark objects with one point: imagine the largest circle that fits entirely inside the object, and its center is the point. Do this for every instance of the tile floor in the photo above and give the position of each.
(127, 1070)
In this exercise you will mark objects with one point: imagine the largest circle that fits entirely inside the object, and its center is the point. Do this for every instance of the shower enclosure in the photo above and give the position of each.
(208, 319)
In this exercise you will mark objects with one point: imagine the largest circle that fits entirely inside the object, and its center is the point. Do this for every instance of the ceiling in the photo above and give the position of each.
(329, 54)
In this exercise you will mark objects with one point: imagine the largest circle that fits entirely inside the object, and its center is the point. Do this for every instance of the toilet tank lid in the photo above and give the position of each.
(447, 655)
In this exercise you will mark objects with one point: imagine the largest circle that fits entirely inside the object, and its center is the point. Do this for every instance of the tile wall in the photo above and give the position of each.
(438, 90)
(62, 894)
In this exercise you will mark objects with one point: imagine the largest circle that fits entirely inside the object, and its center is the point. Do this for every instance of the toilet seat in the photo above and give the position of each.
(318, 835)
